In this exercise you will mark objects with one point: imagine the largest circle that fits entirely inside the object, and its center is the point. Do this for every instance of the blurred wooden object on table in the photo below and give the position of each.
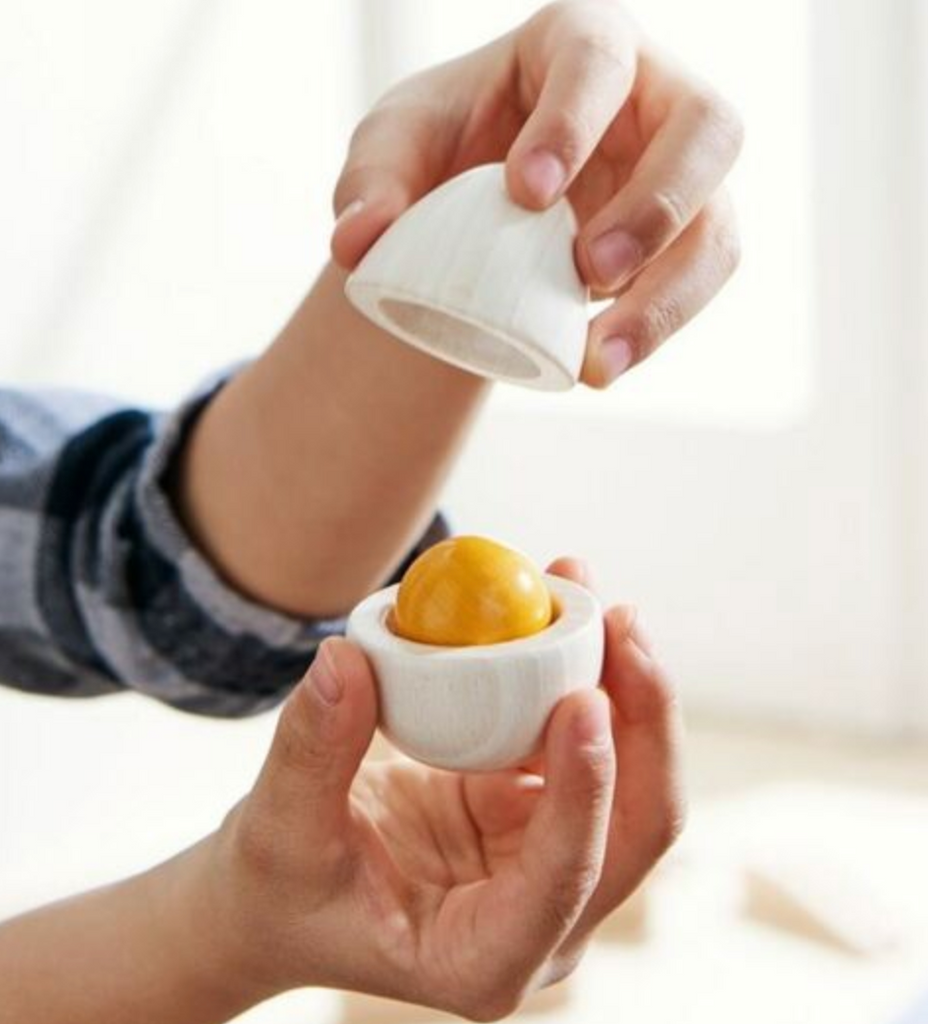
(819, 898)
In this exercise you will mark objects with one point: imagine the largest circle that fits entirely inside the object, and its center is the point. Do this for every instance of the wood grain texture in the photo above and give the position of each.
(470, 277)
(819, 898)
(479, 708)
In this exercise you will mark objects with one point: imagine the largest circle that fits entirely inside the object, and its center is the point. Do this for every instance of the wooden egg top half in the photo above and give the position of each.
(470, 591)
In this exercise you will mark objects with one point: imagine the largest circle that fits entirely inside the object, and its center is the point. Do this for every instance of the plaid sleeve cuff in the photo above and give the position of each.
(227, 654)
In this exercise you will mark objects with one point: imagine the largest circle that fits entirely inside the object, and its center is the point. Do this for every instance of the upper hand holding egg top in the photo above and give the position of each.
(578, 102)
(463, 892)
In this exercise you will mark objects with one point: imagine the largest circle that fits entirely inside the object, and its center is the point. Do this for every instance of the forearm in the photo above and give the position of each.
(150, 948)
(312, 473)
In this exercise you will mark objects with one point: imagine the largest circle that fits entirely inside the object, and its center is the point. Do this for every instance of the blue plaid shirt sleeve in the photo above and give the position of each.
(101, 587)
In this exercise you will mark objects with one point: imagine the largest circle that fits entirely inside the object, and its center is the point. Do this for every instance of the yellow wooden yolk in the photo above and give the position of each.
(468, 591)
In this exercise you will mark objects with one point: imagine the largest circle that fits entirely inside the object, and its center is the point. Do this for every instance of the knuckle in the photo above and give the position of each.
(701, 104)
(563, 966)
(568, 894)
(560, 910)
(670, 826)
(491, 1002)
(402, 120)
(601, 47)
(666, 216)
(357, 162)
(726, 247)
(361, 134)
(729, 125)
(551, 13)
(596, 787)
(491, 1010)
(363, 129)
(719, 119)
(663, 703)
(669, 822)
(571, 132)
(599, 757)
(605, 16)
(347, 187)
(298, 744)
(655, 702)
(599, 35)
(656, 322)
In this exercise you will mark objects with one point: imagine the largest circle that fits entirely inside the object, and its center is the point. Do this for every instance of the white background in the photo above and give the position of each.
(758, 489)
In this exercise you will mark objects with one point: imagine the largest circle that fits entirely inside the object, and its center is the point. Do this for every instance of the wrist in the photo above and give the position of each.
(205, 927)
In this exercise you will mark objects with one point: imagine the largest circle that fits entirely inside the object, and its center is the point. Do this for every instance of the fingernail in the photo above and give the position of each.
(613, 256)
(545, 174)
(325, 679)
(615, 357)
(350, 210)
(592, 725)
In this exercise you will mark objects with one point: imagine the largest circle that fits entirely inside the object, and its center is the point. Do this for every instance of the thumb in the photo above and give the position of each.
(395, 157)
(322, 735)
(587, 78)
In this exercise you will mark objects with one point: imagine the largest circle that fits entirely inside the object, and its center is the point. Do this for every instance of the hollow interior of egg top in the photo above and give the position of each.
(459, 339)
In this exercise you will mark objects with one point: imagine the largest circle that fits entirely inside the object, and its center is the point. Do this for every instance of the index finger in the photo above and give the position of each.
(682, 167)
(648, 807)
(562, 849)
(588, 78)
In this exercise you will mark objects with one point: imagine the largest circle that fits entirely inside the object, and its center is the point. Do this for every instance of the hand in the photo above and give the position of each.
(575, 101)
(461, 892)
